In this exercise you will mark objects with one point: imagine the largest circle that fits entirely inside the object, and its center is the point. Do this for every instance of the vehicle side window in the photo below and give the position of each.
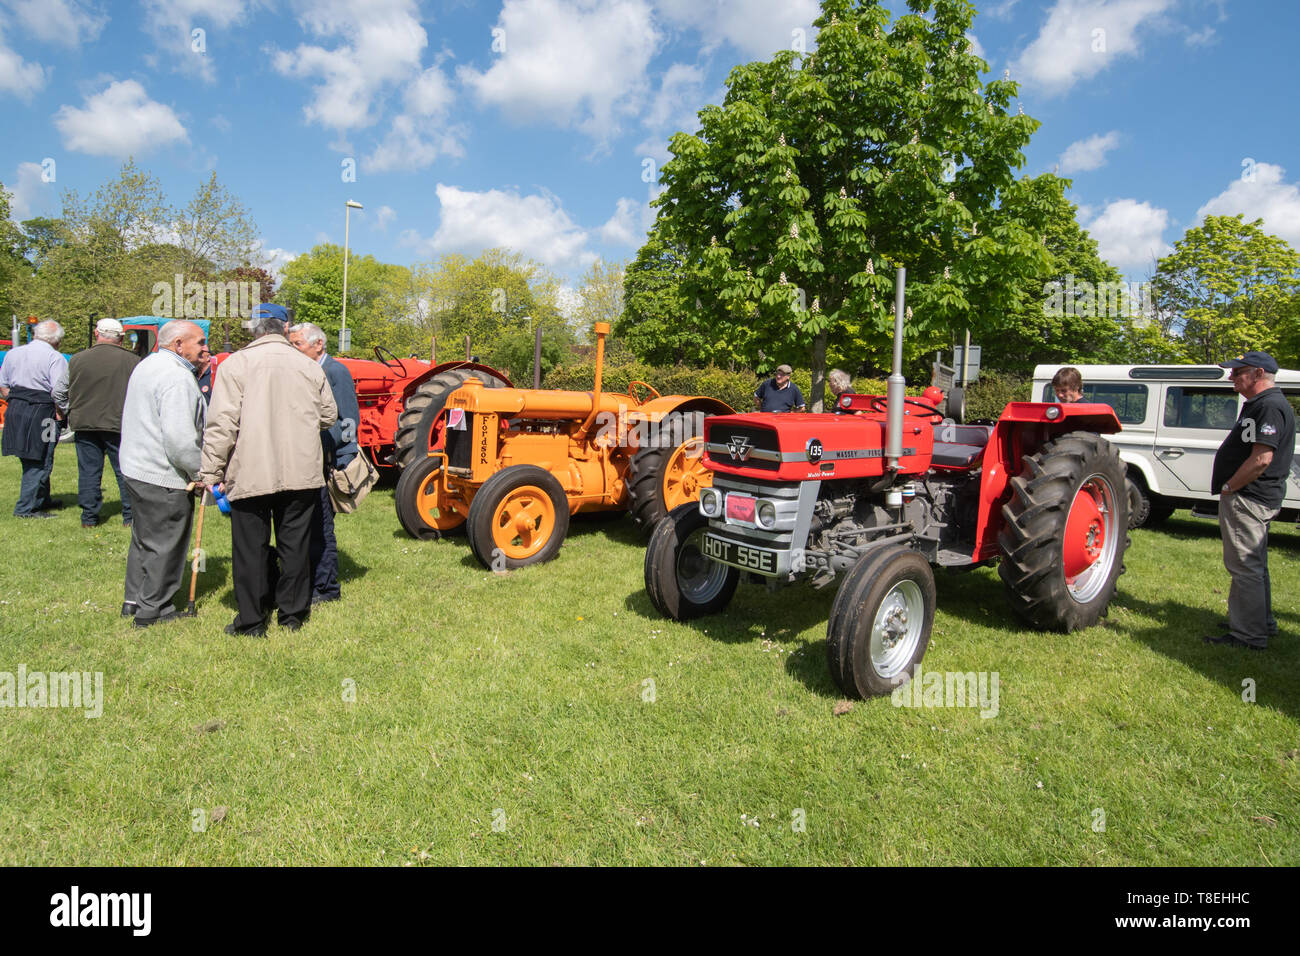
(1128, 401)
(1200, 407)
(1293, 396)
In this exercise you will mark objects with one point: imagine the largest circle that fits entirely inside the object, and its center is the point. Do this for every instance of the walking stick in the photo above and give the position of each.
(191, 611)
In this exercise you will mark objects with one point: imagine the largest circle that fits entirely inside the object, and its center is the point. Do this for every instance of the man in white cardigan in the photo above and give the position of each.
(162, 441)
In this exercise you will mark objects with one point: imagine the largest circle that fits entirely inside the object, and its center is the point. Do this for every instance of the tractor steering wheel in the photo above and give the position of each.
(379, 354)
(881, 405)
(631, 391)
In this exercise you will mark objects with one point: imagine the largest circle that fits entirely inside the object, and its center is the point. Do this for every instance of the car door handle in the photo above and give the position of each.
(1170, 453)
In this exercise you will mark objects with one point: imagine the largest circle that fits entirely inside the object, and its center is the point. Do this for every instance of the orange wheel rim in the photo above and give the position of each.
(523, 522)
(432, 503)
(686, 474)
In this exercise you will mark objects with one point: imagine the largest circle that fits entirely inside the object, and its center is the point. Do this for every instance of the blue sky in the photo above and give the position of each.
(535, 124)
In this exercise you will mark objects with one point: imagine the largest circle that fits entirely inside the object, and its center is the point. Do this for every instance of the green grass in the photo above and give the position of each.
(520, 695)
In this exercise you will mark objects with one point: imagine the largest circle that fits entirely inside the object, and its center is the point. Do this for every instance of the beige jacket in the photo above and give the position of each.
(269, 405)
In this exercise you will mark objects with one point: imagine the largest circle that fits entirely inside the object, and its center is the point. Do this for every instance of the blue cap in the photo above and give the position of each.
(1252, 360)
(268, 310)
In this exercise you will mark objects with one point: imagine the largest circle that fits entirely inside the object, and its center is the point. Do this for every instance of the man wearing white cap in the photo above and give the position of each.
(94, 393)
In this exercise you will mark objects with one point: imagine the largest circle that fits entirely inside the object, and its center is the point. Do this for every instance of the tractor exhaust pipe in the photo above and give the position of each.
(601, 329)
(897, 385)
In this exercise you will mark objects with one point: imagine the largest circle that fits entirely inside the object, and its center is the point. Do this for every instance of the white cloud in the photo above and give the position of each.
(1002, 11)
(383, 216)
(32, 196)
(574, 63)
(1260, 193)
(1083, 37)
(381, 44)
(422, 133)
(624, 227)
(65, 22)
(18, 76)
(1202, 37)
(1130, 234)
(681, 95)
(274, 260)
(119, 121)
(1088, 154)
(536, 226)
(171, 24)
(757, 28)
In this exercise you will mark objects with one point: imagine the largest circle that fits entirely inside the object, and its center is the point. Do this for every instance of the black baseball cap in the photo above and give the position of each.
(1252, 360)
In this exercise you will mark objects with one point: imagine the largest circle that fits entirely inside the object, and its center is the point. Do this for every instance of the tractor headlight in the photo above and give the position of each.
(765, 515)
(1053, 413)
(710, 502)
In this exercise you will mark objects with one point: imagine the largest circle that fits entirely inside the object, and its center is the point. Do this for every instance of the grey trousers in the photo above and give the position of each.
(160, 535)
(1243, 525)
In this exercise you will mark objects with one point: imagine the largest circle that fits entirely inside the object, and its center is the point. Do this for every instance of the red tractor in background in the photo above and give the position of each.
(879, 497)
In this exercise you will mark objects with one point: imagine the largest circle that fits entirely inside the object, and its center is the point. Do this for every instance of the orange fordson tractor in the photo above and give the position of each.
(513, 464)
(875, 499)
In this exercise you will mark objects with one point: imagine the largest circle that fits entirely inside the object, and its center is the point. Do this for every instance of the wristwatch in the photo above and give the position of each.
(1225, 490)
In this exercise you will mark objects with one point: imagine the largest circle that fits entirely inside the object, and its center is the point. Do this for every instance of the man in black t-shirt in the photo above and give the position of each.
(1251, 469)
(779, 394)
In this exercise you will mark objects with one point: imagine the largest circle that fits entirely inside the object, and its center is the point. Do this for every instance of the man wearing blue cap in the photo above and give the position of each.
(1251, 469)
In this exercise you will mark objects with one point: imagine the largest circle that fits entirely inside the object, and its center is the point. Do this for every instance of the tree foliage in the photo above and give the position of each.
(821, 174)
(1228, 287)
(313, 287)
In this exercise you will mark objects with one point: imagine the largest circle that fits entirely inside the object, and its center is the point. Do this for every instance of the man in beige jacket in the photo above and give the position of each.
(262, 444)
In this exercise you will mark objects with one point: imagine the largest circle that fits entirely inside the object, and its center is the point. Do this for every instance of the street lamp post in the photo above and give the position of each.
(344, 339)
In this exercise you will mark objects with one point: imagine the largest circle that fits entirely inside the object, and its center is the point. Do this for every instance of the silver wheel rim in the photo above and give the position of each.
(699, 578)
(1090, 582)
(896, 629)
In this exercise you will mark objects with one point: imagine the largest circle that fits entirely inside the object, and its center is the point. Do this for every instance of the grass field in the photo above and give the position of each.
(504, 718)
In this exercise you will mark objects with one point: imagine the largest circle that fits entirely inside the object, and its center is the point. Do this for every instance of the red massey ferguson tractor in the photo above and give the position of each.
(878, 498)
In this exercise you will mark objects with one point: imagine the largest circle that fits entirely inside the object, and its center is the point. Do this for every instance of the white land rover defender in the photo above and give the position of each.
(1174, 417)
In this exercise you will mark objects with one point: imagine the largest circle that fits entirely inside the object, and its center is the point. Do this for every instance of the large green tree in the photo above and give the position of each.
(821, 174)
(1227, 287)
(313, 287)
(14, 267)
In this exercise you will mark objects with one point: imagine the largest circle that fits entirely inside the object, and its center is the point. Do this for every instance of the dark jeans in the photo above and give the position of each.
(91, 448)
(291, 514)
(324, 552)
(160, 535)
(34, 489)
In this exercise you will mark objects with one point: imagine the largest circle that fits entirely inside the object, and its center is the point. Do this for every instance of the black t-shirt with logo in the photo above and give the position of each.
(1266, 419)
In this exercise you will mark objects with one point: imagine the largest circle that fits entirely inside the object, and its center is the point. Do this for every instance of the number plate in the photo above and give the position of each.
(744, 556)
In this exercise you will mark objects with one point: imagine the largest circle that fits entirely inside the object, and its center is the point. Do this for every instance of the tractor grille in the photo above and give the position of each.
(460, 445)
(759, 447)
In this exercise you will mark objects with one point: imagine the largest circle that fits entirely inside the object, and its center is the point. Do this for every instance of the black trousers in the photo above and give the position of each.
(324, 551)
(92, 446)
(160, 536)
(291, 515)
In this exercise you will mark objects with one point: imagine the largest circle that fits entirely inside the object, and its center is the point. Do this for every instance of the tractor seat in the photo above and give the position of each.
(962, 445)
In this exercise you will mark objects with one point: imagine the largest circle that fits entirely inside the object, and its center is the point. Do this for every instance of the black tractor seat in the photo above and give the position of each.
(959, 446)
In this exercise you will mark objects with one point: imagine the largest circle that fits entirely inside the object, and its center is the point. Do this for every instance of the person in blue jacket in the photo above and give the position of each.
(340, 446)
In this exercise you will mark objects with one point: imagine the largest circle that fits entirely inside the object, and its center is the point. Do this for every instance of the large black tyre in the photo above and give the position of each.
(424, 406)
(1139, 502)
(880, 622)
(682, 583)
(519, 517)
(660, 479)
(412, 497)
(1065, 531)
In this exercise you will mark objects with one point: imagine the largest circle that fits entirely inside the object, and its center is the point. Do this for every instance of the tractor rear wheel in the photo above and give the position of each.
(421, 501)
(682, 582)
(880, 622)
(519, 517)
(1064, 532)
(416, 425)
(661, 479)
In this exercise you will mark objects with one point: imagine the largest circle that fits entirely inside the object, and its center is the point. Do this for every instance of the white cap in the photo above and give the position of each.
(108, 327)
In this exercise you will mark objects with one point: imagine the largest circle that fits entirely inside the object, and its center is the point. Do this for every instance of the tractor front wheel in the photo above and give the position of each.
(1065, 531)
(661, 479)
(880, 622)
(421, 500)
(681, 580)
(519, 517)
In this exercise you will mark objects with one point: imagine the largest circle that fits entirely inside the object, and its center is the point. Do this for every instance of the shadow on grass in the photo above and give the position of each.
(1282, 534)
